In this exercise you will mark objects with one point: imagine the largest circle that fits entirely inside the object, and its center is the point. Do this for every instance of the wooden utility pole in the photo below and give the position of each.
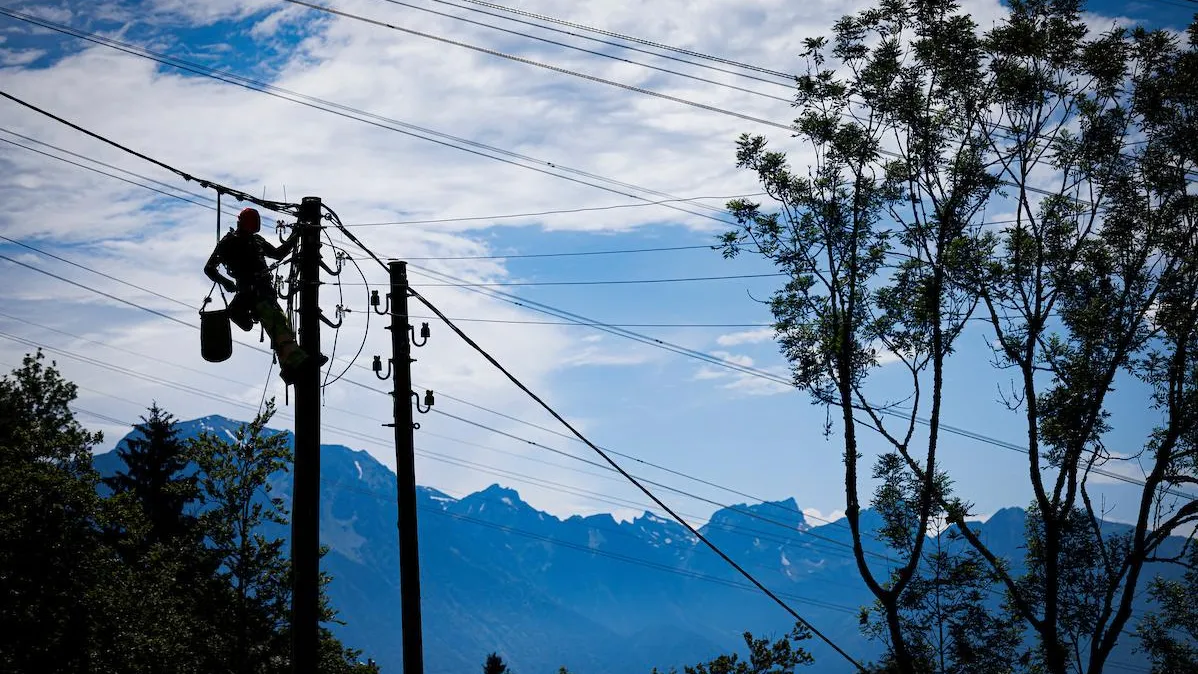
(405, 466)
(305, 500)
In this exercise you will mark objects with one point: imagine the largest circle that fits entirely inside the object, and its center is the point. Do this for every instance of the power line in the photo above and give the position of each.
(747, 370)
(631, 457)
(99, 292)
(611, 555)
(475, 320)
(233, 212)
(791, 78)
(714, 548)
(627, 87)
(483, 426)
(546, 66)
(581, 253)
(277, 206)
(618, 325)
(836, 547)
(105, 173)
(592, 52)
(681, 492)
(598, 325)
(197, 195)
(556, 541)
(629, 47)
(688, 52)
(559, 211)
(348, 112)
(689, 279)
(96, 272)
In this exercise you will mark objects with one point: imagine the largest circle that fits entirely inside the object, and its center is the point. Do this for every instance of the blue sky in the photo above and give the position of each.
(735, 430)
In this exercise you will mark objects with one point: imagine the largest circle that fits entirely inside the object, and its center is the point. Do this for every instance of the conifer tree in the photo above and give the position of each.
(494, 664)
(154, 477)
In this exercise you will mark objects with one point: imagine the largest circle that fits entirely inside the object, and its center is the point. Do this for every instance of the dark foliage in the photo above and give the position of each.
(138, 582)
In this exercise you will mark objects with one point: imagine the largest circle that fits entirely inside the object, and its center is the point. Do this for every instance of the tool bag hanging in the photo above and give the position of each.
(216, 336)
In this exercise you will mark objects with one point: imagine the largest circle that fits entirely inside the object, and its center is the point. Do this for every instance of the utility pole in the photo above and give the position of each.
(402, 337)
(305, 500)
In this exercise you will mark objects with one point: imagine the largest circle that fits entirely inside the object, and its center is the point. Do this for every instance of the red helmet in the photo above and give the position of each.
(249, 221)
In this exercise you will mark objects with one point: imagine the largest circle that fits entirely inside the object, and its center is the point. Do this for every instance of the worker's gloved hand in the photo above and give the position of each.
(228, 285)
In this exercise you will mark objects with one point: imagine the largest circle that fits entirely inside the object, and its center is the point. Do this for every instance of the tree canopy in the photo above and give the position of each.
(169, 570)
(918, 122)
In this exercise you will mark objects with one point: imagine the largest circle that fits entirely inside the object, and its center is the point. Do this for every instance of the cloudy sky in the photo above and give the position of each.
(464, 151)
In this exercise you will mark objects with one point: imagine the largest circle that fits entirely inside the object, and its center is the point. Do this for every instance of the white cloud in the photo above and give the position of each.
(592, 356)
(746, 337)
(13, 57)
(734, 358)
(747, 384)
(369, 174)
(711, 372)
(819, 518)
(45, 11)
(270, 25)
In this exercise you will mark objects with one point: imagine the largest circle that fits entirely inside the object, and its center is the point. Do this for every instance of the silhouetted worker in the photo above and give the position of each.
(244, 253)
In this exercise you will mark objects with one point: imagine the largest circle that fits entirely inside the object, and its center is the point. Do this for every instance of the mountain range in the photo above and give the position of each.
(592, 594)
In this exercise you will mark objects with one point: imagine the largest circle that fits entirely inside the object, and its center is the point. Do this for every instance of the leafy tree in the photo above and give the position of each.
(920, 122)
(494, 664)
(1169, 635)
(765, 657)
(949, 617)
(255, 605)
(51, 560)
(234, 476)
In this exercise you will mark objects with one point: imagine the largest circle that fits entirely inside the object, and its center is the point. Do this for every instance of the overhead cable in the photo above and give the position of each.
(633, 480)
(398, 126)
(649, 281)
(830, 545)
(593, 52)
(139, 176)
(550, 212)
(576, 253)
(658, 45)
(547, 66)
(788, 84)
(277, 206)
(781, 380)
(569, 324)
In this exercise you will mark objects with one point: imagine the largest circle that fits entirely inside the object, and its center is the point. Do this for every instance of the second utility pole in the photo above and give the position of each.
(405, 471)
(305, 496)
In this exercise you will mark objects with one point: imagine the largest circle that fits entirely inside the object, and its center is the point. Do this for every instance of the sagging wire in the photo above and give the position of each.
(332, 217)
(341, 309)
(633, 480)
(366, 331)
(276, 206)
